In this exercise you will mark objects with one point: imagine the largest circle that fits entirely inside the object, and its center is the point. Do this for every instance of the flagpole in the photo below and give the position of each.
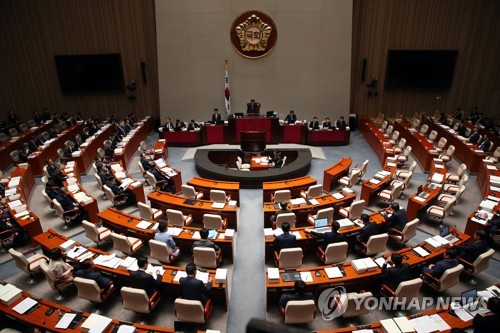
(227, 93)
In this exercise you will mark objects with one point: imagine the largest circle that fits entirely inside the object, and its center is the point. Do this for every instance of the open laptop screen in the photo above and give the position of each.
(444, 231)
(320, 223)
(468, 296)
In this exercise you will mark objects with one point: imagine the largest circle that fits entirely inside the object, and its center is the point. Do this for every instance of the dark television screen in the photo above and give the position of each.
(89, 73)
(420, 69)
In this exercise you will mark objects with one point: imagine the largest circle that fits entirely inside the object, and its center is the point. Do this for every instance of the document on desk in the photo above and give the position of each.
(126, 329)
(297, 234)
(179, 274)
(202, 276)
(306, 276)
(420, 251)
(337, 196)
(14, 204)
(333, 272)
(64, 322)
(439, 322)
(196, 235)
(463, 315)
(423, 324)
(174, 231)
(143, 225)
(314, 202)
(25, 305)
(218, 205)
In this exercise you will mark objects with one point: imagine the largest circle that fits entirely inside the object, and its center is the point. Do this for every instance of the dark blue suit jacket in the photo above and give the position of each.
(142, 280)
(367, 231)
(328, 238)
(441, 267)
(194, 289)
(470, 251)
(285, 241)
(285, 298)
(395, 275)
(398, 219)
(93, 275)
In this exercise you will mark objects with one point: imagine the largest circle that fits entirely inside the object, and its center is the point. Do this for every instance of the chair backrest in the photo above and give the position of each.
(13, 132)
(496, 153)
(238, 164)
(389, 129)
(23, 127)
(450, 277)
(47, 198)
(325, 213)
(175, 217)
(189, 311)
(336, 252)
(45, 179)
(407, 151)
(461, 190)
(355, 299)
(290, 258)
(442, 142)
(449, 206)
(415, 123)
(109, 194)
(15, 155)
(300, 312)
(315, 191)
(141, 167)
(461, 169)
(101, 152)
(205, 257)
(463, 180)
(354, 175)
(45, 135)
(433, 135)
(32, 123)
(402, 143)
(121, 243)
(91, 231)
(356, 209)
(396, 190)
(45, 172)
(4, 137)
(20, 260)
(159, 251)
(450, 151)
(410, 230)
(282, 195)
(212, 221)
(284, 161)
(58, 208)
(88, 289)
(218, 195)
(384, 125)
(424, 129)
(60, 153)
(286, 217)
(98, 179)
(376, 244)
(151, 179)
(409, 289)
(188, 191)
(468, 131)
(145, 211)
(48, 274)
(395, 135)
(136, 300)
(483, 261)
(364, 167)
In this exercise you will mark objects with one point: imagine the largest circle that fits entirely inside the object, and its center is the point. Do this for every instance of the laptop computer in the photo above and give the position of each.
(471, 304)
(321, 225)
(444, 232)
(290, 276)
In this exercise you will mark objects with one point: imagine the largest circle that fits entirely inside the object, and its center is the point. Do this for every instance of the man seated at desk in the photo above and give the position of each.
(369, 229)
(192, 125)
(24, 152)
(462, 128)
(291, 118)
(327, 124)
(141, 280)
(486, 323)
(115, 187)
(329, 237)
(283, 209)
(71, 208)
(286, 240)
(194, 289)
(485, 144)
(164, 183)
(341, 124)
(475, 136)
(437, 270)
(168, 126)
(492, 226)
(400, 272)
(299, 294)
(163, 236)
(179, 125)
(470, 251)
(7, 222)
(314, 124)
(396, 217)
(216, 116)
(85, 270)
(146, 164)
(253, 107)
(205, 242)
(57, 176)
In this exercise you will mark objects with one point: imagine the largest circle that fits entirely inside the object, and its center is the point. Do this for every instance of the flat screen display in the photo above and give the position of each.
(420, 69)
(90, 73)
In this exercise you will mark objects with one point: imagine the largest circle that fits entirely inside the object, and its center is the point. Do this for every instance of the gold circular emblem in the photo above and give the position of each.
(253, 34)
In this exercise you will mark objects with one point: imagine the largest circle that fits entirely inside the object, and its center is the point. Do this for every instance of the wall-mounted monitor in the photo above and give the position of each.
(90, 73)
(420, 69)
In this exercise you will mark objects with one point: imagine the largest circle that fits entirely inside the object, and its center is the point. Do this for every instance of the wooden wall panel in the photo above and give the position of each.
(471, 26)
(34, 31)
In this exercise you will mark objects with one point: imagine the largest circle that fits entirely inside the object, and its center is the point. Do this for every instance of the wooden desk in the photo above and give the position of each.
(295, 185)
(160, 149)
(294, 133)
(51, 239)
(164, 201)
(37, 160)
(213, 133)
(325, 201)
(379, 143)
(328, 137)
(86, 158)
(144, 127)
(369, 189)
(422, 149)
(137, 189)
(30, 223)
(183, 138)
(463, 151)
(256, 164)
(352, 280)
(417, 204)
(205, 185)
(335, 172)
(124, 223)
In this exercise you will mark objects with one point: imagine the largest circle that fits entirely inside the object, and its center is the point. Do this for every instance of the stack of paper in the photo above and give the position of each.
(436, 242)
(268, 233)
(347, 191)
(68, 245)
(420, 251)
(488, 205)
(25, 305)
(128, 262)
(363, 265)
(404, 324)
(109, 260)
(437, 178)
(218, 205)
(298, 202)
(345, 224)
(333, 272)
(306, 276)
(202, 276)
(221, 275)
(154, 269)
(174, 231)
(228, 234)
(179, 275)
(160, 163)
(143, 225)
(273, 274)
(9, 294)
(95, 323)
(337, 196)
(389, 326)
(232, 203)
(76, 252)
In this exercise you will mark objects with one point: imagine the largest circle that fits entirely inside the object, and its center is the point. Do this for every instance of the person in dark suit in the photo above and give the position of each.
(299, 294)
(68, 152)
(113, 119)
(329, 237)
(470, 251)
(327, 123)
(486, 144)
(449, 261)
(165, 184)
(53, 133)
(285, 240)
(192, 288)
(127, 125)
(493, 225)
(37, 118)
(341, 124)
(52, 190)
(77, 213)
(103, 174)
(7, 222)
(400, 272)
(475, 136)
(39, 140)
(145, 163)
(398, 218)
(142, 280)
(108, 151)
(100, 164)
(205, 242)
(45, 114)
(24, 153)
(369, 229)
(85, 270)
(32, 145)
(57, 176)
(179, 125)
(192, 125)
(462, 128)
(216, 116)
(85, 134)
(486, 323)
(117, 190)
(458, 115)
(253, 107)
(12, 119)
(168, 125)
(314, 124)
(291, 118)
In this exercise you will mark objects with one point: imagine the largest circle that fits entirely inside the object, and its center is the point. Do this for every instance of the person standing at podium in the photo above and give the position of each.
(253, 107)
(291, 118)
(216, 116)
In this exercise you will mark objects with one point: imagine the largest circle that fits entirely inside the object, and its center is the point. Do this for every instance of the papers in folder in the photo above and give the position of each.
(333, 272)
(421, 252)
(143, 225)
(337, 196)
(25, 305)
(218, 205)
(64, 322)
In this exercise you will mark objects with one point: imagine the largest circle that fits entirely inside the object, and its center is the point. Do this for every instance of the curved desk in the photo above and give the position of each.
(135, 187)
(379, 143)
(335, 172)
(164, 201)
(295, 185)
(205, 185)
(372, 186)
(143, 128)
(88, 149)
